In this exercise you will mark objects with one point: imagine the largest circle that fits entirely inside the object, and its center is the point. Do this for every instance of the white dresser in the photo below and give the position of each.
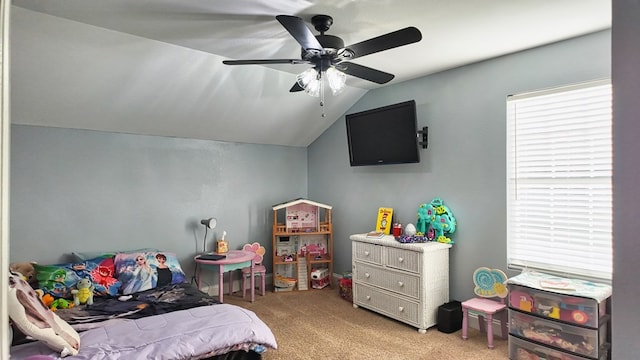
(407, 282)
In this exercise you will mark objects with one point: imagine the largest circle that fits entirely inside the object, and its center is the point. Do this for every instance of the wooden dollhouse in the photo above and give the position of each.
(302, 241)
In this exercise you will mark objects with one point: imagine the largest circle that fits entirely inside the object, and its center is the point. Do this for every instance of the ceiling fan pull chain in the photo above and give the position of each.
(321, 93)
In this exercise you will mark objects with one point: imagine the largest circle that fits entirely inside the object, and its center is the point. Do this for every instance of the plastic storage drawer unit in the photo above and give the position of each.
(524, 350)
(571, 309)
(574, 339)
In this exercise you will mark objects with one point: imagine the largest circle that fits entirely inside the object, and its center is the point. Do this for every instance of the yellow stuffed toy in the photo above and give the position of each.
(83, 294)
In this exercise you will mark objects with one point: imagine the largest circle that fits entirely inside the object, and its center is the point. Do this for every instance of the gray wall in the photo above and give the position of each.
(626, 177)
(75, 190)
(464, 165)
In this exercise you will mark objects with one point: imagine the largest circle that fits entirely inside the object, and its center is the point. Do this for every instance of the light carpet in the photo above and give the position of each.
(319, 324)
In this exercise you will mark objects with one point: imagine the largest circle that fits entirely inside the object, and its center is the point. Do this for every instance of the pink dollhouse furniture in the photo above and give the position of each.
(259, 270)
(489, 283)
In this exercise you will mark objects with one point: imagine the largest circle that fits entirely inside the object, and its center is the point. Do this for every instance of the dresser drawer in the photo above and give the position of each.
(398, 282)
(388, 304)
(404, 259)
(572, 309)
(574, 339)
(367, 252)
(523, 349)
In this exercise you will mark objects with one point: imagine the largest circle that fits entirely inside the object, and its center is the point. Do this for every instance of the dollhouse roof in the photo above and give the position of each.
(300, 201)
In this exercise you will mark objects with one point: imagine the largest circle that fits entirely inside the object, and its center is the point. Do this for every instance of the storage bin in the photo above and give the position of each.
(450, 317)
(572, 309)
(573, 339)
(523, 349)
(346, 290)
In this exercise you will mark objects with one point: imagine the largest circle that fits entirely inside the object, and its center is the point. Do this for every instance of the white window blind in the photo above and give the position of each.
(559, 192)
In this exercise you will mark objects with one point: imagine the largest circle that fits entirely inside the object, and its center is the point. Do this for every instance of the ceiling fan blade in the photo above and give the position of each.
(299, 30)
(388, 41)
(296, 88)
(265, 62)
(364, 72)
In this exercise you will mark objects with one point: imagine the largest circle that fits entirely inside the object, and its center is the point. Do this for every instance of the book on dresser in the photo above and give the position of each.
(375, 234)
(406, 282)
(384, 219)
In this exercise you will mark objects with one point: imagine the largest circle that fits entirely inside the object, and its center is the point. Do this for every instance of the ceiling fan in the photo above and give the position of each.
(329, 56)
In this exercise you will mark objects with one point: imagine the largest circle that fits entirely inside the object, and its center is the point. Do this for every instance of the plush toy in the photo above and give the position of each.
(34, 319)
(27, 270)
(83, 294)
(46, 299)
(53, 303)
(61, 304)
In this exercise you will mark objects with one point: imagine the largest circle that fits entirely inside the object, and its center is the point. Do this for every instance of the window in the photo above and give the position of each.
(559, 186)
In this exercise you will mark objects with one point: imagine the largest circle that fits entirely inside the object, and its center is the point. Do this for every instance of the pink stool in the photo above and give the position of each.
(485, 308)
(490, 283)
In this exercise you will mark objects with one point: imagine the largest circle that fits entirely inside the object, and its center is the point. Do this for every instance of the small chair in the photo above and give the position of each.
(489, 283)
(258, 271)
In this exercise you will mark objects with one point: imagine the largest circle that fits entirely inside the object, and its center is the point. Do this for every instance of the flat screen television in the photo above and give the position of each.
(385, 135)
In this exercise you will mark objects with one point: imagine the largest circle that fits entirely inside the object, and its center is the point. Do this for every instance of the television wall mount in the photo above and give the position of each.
(424, 136)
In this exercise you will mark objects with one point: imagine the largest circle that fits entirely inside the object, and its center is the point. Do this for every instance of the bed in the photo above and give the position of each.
(172, 321)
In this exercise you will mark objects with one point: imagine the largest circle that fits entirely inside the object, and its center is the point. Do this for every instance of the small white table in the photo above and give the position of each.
(234, 260)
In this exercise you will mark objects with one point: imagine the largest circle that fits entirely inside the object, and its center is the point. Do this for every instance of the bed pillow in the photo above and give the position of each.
(147, 270)
(33, 318)
(59, 280)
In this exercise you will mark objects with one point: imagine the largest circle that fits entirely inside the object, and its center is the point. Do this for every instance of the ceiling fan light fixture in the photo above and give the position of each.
(309, 80)
(313, 88)
(337, 80)
(326, 51)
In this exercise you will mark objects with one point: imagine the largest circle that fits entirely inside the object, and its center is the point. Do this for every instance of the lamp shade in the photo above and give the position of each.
(309, 80)
(209, 223)
(336, 79)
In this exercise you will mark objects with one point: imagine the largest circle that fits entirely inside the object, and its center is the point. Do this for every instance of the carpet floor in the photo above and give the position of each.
(319, 324)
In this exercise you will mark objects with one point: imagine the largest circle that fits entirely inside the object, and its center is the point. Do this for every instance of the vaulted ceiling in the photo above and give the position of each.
(155, 66)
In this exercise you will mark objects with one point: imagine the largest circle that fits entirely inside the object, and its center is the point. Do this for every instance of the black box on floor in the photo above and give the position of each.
(450, 317)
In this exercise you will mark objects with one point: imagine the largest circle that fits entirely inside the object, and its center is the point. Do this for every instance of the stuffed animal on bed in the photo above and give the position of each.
(83, 293)
(33, 318)
(53, 303)
(27, 270)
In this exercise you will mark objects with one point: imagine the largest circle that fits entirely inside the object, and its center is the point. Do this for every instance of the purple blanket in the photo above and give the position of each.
(186, 334)
(174, 322)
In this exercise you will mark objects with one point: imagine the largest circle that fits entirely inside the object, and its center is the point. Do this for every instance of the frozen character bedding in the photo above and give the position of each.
(146, 270)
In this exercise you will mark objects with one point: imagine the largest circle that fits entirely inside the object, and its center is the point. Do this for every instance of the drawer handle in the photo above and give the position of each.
(366, 253)
(400, 308)
(400, 283)
(400, 259)
(367, 275)
(368, 297)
